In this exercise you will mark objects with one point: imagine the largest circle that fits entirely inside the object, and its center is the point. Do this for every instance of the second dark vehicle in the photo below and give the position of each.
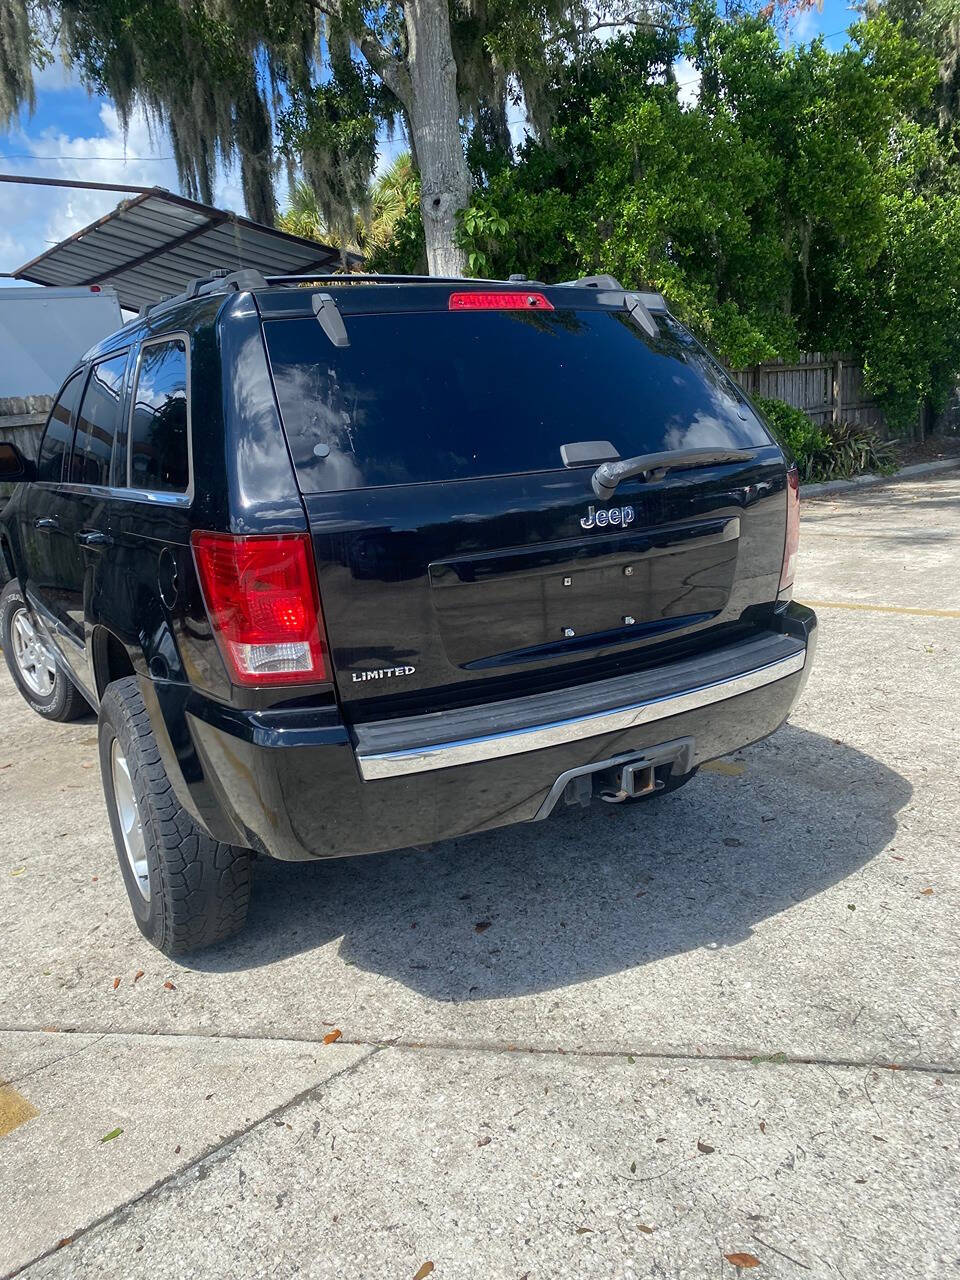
(356, 563)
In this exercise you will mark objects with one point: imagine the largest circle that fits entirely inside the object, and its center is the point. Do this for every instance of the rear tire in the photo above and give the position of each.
(41, 682)
(186, 889)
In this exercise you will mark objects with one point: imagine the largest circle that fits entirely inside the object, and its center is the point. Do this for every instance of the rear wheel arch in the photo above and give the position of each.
(7, 568)
(111, 660)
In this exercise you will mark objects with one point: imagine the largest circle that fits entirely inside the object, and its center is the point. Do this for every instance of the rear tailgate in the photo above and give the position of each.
(458, 558)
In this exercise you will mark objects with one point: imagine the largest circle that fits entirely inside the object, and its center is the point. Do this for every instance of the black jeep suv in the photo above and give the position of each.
(353, 563)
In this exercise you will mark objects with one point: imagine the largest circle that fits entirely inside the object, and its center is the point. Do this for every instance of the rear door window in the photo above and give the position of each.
(159, 442)
(56, 439)
(428, 396)
(97, 422)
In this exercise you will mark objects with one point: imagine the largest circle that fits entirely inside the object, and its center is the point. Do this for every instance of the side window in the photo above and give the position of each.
(97, 422)
(56, 438)
(158, 429)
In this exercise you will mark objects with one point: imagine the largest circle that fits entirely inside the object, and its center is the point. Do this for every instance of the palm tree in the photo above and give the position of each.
(391, 196)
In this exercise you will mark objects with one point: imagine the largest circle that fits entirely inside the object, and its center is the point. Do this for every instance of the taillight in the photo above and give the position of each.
(261, 597)
(792, 541)
(485, 300)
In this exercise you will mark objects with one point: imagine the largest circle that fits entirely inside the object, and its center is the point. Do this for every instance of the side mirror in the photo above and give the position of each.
(14, 466)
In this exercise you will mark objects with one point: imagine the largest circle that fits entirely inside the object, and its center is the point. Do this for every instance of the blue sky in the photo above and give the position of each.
(74, 135)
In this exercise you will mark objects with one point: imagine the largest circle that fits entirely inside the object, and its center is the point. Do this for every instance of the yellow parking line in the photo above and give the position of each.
(883, 608)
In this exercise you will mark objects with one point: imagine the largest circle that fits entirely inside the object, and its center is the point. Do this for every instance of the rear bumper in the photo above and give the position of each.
(299, 785)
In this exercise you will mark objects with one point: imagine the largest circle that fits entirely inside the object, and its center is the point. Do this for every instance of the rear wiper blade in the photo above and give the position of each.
(654, 466)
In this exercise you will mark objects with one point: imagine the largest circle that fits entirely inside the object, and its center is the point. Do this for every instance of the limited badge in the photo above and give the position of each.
(382, 673)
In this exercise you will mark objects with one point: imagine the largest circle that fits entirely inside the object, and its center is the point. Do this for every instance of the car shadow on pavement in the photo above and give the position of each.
(589, 892)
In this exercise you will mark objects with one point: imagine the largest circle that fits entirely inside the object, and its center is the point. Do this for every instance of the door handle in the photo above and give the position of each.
(94, 538)
(46, 522)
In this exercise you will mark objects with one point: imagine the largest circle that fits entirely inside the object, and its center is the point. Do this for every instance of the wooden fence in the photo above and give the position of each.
(828, 387)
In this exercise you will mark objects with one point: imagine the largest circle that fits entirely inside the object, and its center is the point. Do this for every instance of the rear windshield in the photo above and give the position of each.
(429, 396)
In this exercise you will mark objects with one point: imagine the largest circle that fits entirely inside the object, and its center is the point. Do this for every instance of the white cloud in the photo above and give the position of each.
(688, 82)
(803, 26)
(55, 78)
(34, 218)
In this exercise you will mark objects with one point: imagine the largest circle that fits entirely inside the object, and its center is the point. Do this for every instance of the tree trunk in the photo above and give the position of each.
(433, 108)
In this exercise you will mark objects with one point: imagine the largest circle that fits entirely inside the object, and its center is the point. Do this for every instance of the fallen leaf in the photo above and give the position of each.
(330, 1038)
(482, 925)
(582, 1231)
(138, 975)
(116, 983)
(168, 986)
(647, 1231)
(109, 1137)
(424, 1271)
(66, 1239)
(851, 907)
(763, 1126)
(742, 1259)
(176, 1149)
(705, 1148)
(633, 1166)
(925, 893)
(660, 1139)
(484, 1141)
(631, 1059)
(896, 857)
(18, 871)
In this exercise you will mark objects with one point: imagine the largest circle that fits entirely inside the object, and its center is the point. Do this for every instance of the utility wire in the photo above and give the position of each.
(121, 159)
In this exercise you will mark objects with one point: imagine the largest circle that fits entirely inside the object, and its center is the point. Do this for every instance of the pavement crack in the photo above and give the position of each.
(214, 1154)
(757, 1057)
(55, 1062)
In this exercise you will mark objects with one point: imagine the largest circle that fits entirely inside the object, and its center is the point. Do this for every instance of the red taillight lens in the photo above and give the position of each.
(482, 300)
(261, 597)
(792, 543)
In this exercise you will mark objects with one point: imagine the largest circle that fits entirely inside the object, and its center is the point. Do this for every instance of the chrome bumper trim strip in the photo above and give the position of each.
(443, 755)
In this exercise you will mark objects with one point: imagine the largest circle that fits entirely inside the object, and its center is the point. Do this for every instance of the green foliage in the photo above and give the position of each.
(796, 433)
(806, 201)
(829, 451)
(392, 196)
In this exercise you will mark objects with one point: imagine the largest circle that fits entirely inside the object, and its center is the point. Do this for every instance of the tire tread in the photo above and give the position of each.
(204, 888)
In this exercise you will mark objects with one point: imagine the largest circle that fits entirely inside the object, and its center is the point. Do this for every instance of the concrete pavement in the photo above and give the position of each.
(765, 964)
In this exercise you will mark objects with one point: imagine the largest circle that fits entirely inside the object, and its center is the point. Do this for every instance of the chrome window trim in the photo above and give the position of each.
(73, 486)
(184, 496)
(80, 373)
(444, 755)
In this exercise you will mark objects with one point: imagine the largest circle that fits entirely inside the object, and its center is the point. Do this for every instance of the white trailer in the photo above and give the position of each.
(43, 332)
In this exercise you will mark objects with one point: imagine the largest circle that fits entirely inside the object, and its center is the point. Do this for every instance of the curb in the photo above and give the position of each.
(864, 482)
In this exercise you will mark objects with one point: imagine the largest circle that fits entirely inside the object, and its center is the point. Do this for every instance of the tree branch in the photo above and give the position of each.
(387, 66)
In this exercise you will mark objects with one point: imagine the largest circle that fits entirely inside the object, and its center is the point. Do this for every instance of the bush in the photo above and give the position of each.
(802, 439)
(831, 451)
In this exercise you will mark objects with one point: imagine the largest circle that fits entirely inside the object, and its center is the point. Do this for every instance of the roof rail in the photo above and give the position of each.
(357, 277)
(219, 281)
(591, 282)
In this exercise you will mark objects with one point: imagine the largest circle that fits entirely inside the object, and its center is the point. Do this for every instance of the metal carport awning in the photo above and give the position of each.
(154, 243)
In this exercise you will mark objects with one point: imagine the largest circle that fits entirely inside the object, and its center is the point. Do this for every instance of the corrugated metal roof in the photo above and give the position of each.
(152, 245)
